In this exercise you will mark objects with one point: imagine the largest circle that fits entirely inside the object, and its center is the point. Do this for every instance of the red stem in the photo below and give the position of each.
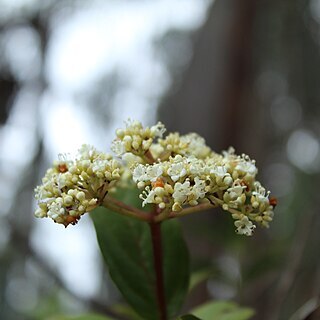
(155, 229)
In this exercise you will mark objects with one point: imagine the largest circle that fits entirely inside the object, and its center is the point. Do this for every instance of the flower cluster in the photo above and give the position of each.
(185, 145)
(223, 180)
(136, 139)
(72, 187)
(177, 174)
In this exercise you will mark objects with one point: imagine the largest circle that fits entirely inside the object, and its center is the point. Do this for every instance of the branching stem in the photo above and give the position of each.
(148, 157)
(122, 208)
(154, 219)
(184, 212)
(155, 229)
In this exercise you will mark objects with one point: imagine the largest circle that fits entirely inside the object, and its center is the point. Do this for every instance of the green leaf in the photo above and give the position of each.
(188, 317)
(81, 317)
(199, 276)
(176, 266)
(126, 311)
(126, 246)
(222, 310)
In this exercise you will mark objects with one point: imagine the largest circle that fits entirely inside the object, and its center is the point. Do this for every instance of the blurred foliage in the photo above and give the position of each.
(81, 317)
(222, 310)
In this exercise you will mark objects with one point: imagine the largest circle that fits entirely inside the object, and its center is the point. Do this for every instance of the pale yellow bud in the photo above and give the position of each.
(68, 200)
(80, 195)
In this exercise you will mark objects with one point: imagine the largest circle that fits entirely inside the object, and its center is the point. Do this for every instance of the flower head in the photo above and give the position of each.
(174, 173)
(71, 188)
(135, 138)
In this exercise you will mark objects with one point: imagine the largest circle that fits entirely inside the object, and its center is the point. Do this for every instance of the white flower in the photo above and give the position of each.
(181, 191)
(135, 138)
(147, 173)
(132, 125)
(130, 159)
(118, 147)
(177, 171)
(223, 178)
(56, 209)
(259, 191)
(87, 152)
(235, 192)
(100, 166)
(234, 197)
(148, 196)
(247, 168)
(259, 198)
(154, 171)
(198, 190)
(155, 196)
(156, 149)
(229, 154)
(139, 173)
(158, 130)
(196, 145)
(219, 171)
(40, 213)
(244, 226)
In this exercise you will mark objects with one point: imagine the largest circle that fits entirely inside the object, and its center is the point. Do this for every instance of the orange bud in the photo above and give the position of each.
(158, 183)
(62, 168)
(273, 201)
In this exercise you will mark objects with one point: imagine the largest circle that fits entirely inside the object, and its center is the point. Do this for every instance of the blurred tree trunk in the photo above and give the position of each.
(224, 98)
(212, 98)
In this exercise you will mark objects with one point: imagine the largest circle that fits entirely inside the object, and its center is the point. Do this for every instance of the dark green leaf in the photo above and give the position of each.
(176, 266)
(188, 317)
(127, 250)
(222, 310)
(81, 317)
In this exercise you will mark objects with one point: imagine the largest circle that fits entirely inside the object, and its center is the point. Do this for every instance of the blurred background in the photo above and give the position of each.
(240, 73)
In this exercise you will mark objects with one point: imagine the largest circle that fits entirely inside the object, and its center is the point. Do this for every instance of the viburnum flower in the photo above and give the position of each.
(73, 187)
(178, 174)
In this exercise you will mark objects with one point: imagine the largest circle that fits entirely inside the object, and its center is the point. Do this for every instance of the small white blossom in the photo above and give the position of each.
(244, 226)
(181, 191)
(158, 130)
(219, 171)
(154, 171)
(139, 173)
(196, 145)
(177, 171)
(56, 209)
(259, 191)
(118, 147)
(155, 196)
(147, 172)
(186, 145)
(247, 168)
(198, 190)
(197, 166)
(234, 197)
(259, 198)
(148, 196)
(136, 139)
